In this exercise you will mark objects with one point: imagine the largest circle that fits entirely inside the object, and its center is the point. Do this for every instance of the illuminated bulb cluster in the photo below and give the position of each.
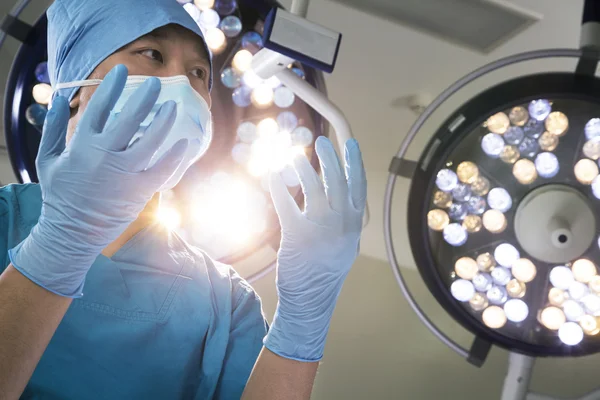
(573, 302)
(271, 145)
(494, 284)
(464, 204)
(525, 138)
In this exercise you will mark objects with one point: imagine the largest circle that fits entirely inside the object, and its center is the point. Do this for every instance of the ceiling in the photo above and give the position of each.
(380, 62)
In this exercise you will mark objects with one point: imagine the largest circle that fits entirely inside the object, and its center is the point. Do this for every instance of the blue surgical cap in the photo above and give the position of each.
(83, 33)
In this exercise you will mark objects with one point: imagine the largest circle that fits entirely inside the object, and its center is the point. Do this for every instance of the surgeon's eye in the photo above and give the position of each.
(153, 54)
(200, 73)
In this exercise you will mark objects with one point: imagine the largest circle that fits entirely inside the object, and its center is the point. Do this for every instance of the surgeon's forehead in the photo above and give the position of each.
(169, 32)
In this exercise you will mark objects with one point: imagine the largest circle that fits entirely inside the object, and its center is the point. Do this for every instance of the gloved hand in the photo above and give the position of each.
(318, 247)
(96, 187)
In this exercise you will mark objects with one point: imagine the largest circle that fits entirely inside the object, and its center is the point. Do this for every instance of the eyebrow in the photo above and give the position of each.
(200, 49)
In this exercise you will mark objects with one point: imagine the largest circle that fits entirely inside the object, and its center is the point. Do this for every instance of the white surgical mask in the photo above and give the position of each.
(193, 121)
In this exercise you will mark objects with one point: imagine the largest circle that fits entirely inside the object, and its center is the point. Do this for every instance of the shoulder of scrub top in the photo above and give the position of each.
(244, 297)
(20, 207)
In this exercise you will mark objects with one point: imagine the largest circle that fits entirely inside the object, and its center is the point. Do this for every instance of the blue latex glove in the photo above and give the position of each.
(96, 187)
(318, 248)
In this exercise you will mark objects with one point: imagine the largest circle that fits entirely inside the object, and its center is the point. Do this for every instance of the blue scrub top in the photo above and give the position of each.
(158, 320)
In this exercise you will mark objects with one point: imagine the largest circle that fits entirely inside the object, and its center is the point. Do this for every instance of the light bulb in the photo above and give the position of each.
(42, 93)
(462, 192)
(524, 171)
(524, 270)
(591, 148)
(266, 127)
(192, 10)
(501, 276)
(552, 318)
(518, 116)
(578, 290)
(529, 146)
(273, 82)
(583, 270)
(561, 277)
(288, 121)
(467, 172)
(437, 219)
(231, 26)
(494, 221)
(546, 165)
(462, 290)
(466, 268)
(486, 262)
(557, 297)
(516, 310)
(209, 19)
(514, 135)
(573, 310)
(497, 294)
(262, 96)
(457, 211)
(481, 186)
(585, 171)
(284, 97)
(591, 302)
(510, 154)
(499, 199)
(515, 288)
(242, 61)
(494, 317)
(548, 141)
(482, 282)
(169, 217)
(498, 123)
(594, 284)
(539, 109)
(478, 302)
(570, 333)
(246, 131)
(251, 79)
(446, 180)
(492, 144)
(455, 234)
(592, 128)
(506, 254)
(589, 324)
(215, 39)
(302, 136)
(241, 153)
(472, 223)
(204, 4)
(533, 128)
(442, 199)
(476, 206)
(557, 123)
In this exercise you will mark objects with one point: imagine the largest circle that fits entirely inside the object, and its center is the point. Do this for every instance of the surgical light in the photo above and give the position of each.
(529, 147)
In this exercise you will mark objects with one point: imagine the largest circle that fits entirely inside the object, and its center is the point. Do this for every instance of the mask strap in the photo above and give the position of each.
(76, 84)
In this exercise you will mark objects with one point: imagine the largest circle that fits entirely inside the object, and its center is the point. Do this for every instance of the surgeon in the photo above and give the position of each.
(97, 300)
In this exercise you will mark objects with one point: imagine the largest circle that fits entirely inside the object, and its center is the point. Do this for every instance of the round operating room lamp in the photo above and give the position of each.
(222, 204)
(503, 211)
